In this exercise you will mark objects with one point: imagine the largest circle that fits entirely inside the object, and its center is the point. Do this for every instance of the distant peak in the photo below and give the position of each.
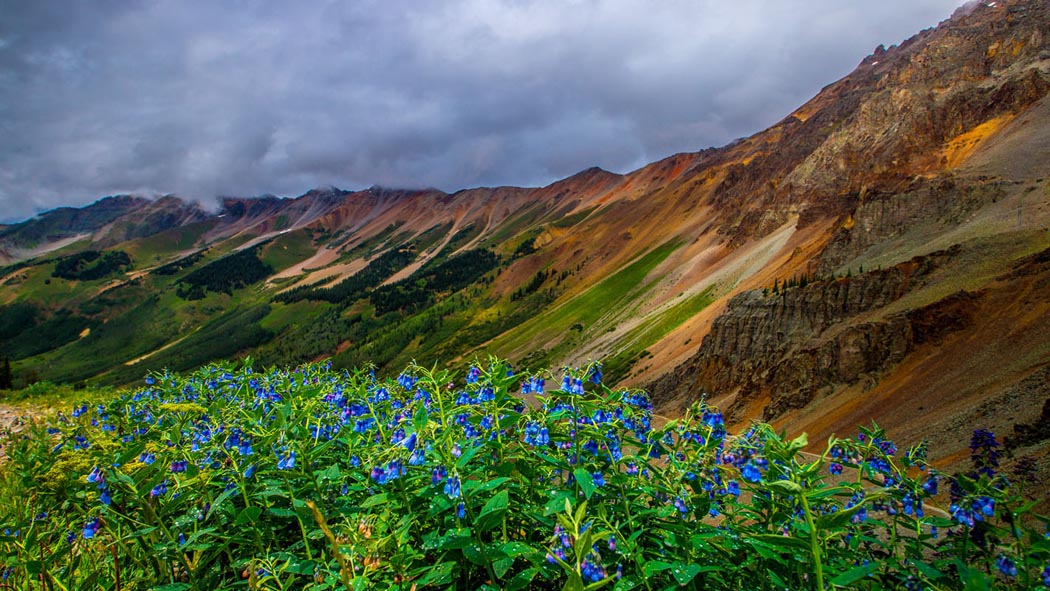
(593, 171)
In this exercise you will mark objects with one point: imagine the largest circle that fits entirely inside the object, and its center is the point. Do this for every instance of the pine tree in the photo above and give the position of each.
(5, 374)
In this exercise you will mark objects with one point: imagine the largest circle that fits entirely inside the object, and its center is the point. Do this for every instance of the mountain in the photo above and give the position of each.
(881, 253)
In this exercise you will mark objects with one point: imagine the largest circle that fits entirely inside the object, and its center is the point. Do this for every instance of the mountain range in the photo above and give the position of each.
(882, 253)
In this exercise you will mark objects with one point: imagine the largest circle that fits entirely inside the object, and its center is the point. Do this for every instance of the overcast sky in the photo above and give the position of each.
(100, 97)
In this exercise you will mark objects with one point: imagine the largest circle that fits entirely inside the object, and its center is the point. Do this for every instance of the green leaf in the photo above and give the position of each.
(683, 572)
(440, 505)
(280, 512)
(440, 575)
(502, 566)
(654, 566)
(492, 513)
(798, 443)
(523, 579)
(837, 519)
(781, 541)
(777, 580)
(454, 540)
(583, 478)
(301, 567)
(973, 579)
(514, 549)
(248, 516)
(574, 582)
(419, 421)
(486, 486)
(374, 500)
(475, 555)
(928, 571)
(785, 486)
(557, 503)
(854, 574)
(467, 456)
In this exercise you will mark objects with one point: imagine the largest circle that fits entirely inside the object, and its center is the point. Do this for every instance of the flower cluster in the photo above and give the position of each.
(456, 479)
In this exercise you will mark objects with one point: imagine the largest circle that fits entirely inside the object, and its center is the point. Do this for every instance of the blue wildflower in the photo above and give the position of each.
(750, 472)
(418, 457)
(984, 506)
(536, 435)
(406, 381)
(596, 373)
(91, 528)
(592, 570)
(409, 442)
(733, 488)
(930, 486)
(1006, 566)
(679, 504)
(288, 462)
(452, 488)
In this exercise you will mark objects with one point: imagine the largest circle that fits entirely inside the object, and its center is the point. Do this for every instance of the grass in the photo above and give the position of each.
(282, 316)
(632, 346)
(612, 294)
(165, 245)
(288, 249)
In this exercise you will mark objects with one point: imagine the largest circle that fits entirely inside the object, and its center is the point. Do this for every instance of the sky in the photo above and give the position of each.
(252, 97)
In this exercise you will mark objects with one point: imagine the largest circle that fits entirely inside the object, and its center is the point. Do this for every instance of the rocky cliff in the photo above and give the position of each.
(786, 345)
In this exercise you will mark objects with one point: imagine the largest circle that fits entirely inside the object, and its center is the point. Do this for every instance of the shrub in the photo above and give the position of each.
(316, 479)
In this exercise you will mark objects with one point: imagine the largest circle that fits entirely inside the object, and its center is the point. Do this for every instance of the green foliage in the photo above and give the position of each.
(62, 327)
(464, 236)
(527, 247)
(178, 265)
(357, 285)
(288, 249)
(6, 377)
(228, 335)
(534, 284)
(16, 319)
(90, 265)
(424, 286)
(316, 479)
(612, 294)
(306, 340)
(224, 275)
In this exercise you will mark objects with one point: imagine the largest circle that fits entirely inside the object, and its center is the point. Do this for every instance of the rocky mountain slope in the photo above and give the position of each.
(880, 253)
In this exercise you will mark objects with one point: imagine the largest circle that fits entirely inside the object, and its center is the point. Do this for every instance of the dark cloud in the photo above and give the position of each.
(243, 98)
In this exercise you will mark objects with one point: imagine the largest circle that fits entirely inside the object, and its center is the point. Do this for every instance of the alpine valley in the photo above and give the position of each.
(882, 253)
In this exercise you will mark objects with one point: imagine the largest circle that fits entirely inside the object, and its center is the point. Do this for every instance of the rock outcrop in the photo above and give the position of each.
(791, 344)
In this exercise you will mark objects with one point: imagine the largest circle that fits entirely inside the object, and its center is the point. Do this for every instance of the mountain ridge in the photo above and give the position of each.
(929, 155)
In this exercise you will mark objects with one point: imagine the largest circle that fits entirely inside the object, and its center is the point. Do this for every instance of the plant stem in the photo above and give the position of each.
(814, 542)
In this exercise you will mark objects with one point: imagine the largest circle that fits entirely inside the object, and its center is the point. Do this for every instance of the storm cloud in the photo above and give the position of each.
(244, 98)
